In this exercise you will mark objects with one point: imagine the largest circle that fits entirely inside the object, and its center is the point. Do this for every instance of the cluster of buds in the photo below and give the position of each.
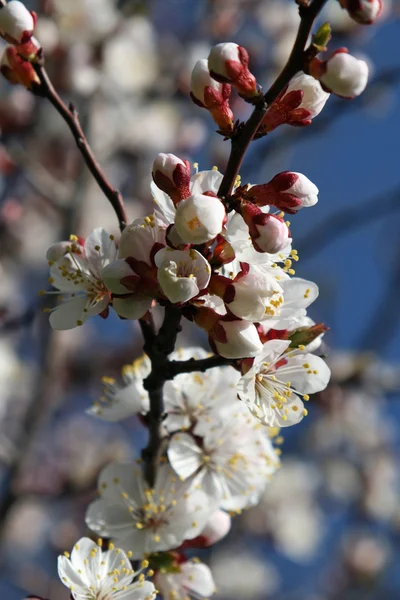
(212, 81)
(364, 12)
(342, 74)
(17, 25)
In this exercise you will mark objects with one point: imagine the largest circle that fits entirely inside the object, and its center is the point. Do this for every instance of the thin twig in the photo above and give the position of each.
(177, 367)
(294, 64)
(70, 116)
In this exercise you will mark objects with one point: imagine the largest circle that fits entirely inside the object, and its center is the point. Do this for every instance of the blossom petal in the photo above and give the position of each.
(206, 181)
(132, 307)
(100, 250)
(184, 455)
(307, 373)
(164, 203)
(69, 314)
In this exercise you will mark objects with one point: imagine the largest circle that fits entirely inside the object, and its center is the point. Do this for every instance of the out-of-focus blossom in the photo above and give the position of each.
(141, 519)
(90, 572)
(191, 578)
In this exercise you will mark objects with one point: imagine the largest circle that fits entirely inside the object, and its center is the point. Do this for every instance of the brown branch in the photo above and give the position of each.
(176, 367)
(70, 116)
(158, 348)
(294, 64)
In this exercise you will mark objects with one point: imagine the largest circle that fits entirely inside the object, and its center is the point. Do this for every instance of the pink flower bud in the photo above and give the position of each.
(342, 74)
(288, 191)
(218, 526)
(199, 218)
(172, 176)
(302, 100)
(363, 11)
(228, 63)
(16, 22)
(208, 93)
(269, 233)
(18, 71)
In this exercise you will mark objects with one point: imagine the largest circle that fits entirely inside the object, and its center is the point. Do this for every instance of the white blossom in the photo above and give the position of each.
(142, 238)
(188, 579)
(254, 295)
(182, 274)
(122, 400)
(91, 574)
(203, 181)
(16, 22)
(79, 275)
(143, 520)
(273, 387)
(199, 218)
(191, 398)
(233, 462)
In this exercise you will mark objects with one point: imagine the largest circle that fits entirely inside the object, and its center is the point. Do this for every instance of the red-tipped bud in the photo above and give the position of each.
(18, 71)
(302, 100)
(288, 191)
(230, 337)
(269, 233)
(364, 12)
(16, 22)
(342, 74)
(228, 63)
(172, 176)
(212, 95)
(29, 50)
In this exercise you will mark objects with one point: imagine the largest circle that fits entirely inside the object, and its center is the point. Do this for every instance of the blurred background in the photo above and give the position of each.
(329, 524)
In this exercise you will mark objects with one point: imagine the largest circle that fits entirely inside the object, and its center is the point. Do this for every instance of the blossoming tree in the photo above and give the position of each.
(217, 252)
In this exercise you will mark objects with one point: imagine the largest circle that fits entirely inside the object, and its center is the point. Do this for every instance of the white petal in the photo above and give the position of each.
(138, 591)
(69, 314)
(132, 307)
(100, 250)
(311, 375)
(114, 272)
(197, 578)
(70, 577)
(206, 181)
(184, 455)
(164, 203)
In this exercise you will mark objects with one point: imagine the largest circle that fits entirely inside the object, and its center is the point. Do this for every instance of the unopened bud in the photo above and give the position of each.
(287, 191)
(17, 70)
(364, 12)
(235, 339)
(217, 527)
(269, 233)
(16, 22)
(199, 218)
(302, 100)
(228, 63)
(212, 95)
(342, 74)
(172, 176)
